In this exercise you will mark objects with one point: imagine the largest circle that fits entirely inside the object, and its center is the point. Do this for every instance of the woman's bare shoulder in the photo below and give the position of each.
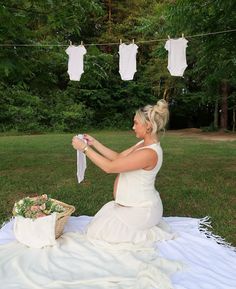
(138, 145)
(131, 149)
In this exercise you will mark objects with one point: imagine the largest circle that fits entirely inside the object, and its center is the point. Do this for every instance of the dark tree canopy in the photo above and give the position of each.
(36, 93)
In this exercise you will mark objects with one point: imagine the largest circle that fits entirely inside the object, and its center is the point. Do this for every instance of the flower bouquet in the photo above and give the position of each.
(36, 207)
(33, 208)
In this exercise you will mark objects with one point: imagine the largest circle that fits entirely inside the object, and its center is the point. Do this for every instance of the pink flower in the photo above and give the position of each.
(40, 215)
(42, 207)
(44, 197)
(34, 208)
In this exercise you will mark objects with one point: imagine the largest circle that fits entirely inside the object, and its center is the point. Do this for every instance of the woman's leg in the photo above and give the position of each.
(115, 223)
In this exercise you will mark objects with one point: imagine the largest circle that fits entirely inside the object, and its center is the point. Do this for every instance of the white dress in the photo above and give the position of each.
(136, 214)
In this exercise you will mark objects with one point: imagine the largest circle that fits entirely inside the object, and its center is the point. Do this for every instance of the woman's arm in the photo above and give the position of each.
(139, 159)
(105, 151)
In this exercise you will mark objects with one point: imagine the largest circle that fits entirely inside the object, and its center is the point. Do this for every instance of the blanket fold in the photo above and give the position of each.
(191, 261)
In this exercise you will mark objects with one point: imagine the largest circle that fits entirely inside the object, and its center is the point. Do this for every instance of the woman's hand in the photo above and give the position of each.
(90, 140)
(78, 144)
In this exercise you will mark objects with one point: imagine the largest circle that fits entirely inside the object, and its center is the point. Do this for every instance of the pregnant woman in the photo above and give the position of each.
(135, 215)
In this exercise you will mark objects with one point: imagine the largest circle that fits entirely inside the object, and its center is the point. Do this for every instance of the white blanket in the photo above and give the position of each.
(77, 263)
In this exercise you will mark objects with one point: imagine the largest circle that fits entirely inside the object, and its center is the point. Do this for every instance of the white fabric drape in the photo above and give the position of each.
(76, 263)
(36, 233)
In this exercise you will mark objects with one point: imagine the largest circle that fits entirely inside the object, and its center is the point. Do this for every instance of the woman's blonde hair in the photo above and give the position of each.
(157, 115)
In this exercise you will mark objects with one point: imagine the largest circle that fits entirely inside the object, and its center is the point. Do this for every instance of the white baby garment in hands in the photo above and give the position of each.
(76, 61)
(127, 61)
(176, 56)
(81, 162)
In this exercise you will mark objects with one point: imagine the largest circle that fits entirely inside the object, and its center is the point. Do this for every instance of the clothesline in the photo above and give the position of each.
(115, 43)
(127, 59)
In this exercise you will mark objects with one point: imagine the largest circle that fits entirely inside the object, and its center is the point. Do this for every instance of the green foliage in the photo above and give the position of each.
(36, 207)
(22, 111)
(76, 117)
(36, 93)
(18, 109)
(211, 58)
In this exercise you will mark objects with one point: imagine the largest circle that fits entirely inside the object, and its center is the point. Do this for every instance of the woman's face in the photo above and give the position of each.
(139, 128)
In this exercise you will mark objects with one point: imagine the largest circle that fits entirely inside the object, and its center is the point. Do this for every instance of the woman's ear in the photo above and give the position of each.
(149, 125)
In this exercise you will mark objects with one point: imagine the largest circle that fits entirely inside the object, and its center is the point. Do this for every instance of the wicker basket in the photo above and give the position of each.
(62, 218)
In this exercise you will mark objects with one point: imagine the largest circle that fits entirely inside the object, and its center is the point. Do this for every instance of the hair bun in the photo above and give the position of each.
(161, 106)
(159, 115)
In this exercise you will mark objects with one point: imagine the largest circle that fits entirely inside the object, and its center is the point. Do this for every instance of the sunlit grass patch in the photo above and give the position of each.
(197, 177)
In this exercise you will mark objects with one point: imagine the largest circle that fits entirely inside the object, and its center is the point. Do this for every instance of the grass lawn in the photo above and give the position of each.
(198, 177)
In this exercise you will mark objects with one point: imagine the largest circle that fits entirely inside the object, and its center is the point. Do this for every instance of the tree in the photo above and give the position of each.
(41, 71)
(211, 59)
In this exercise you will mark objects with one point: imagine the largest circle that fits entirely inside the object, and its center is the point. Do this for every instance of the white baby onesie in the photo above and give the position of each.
(76, 61)
(127, 60)
(81, 162)
(176, 56)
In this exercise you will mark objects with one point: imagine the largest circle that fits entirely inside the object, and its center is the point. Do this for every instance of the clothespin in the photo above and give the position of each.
(81, 43)
(133, 41)
(70, 42)
(120, 41)
(169, 37)
(182, 35)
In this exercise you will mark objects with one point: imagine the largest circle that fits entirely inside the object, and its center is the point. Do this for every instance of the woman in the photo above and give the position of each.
(137, 209)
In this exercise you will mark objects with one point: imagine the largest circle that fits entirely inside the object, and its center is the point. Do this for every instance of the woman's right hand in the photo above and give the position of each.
(90, 140)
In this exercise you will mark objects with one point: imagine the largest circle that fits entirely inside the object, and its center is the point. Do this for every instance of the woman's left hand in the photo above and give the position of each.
(78, 144)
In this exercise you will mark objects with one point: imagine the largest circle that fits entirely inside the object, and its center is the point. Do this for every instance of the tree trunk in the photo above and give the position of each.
(166, 94)
(234, 109)
(216, 114)
(109, 16)
(224, 104)
(108, 48)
